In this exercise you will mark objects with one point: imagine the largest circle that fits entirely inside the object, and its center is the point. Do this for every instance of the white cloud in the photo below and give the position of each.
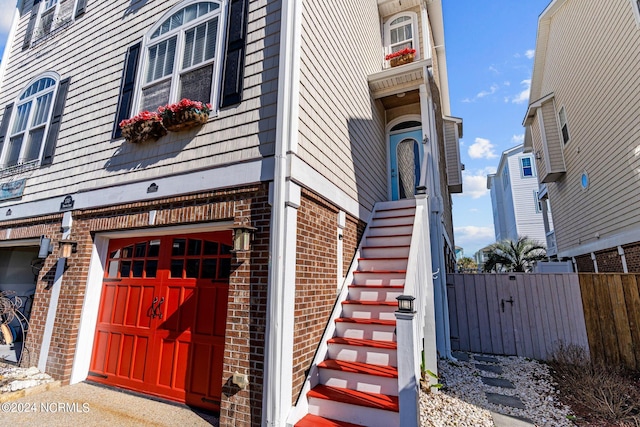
(493, 89)
(530, 53)
(523, 96)
(7, 6)
(494, 69)
(474, 183)
(482, 148)
(507, 83)
(518, 139)
(472, 236)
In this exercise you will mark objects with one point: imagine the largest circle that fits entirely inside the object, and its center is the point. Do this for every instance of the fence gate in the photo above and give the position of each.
(519, 314)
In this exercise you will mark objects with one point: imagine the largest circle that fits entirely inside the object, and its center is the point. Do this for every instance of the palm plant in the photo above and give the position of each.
(519, 255)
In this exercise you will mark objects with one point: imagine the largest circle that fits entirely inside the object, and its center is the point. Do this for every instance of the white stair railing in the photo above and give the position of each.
(415, 331)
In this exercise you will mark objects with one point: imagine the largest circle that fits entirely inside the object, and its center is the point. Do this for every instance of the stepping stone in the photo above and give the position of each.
(489, 368)
(501, 399)
(497, 382)
(501, 420)
(487, 359)
(463, 357)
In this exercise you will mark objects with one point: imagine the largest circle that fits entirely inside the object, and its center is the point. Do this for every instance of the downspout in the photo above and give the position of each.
(277, 386)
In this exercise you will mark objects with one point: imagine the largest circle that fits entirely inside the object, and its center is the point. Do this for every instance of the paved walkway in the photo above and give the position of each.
(90, 405)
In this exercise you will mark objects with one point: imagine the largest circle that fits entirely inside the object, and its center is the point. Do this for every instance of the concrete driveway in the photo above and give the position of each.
(85, 404)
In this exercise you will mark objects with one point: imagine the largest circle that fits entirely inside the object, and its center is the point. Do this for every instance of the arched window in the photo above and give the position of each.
(182, 56)
(30, 122)
(401, 32)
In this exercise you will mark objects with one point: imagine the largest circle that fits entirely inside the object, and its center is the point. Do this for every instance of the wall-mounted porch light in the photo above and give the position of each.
(67, 247)
(242, 236)
(405, 304)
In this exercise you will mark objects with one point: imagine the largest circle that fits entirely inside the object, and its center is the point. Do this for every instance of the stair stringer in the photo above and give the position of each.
(301, 408)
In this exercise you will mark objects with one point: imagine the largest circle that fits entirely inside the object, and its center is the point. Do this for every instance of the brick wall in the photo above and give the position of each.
(609, 261)
(632, 255)
(244, 341)
(584, 264)
(316, 276)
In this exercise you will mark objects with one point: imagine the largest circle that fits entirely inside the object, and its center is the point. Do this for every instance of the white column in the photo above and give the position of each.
(623, 258)
(595, 261)
(408, 392)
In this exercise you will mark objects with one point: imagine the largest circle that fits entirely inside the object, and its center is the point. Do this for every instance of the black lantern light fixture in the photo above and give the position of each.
(405, 304)
(242, 236)
(67, 247)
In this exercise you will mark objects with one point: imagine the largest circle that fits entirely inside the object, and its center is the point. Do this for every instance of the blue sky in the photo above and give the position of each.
(489, 49)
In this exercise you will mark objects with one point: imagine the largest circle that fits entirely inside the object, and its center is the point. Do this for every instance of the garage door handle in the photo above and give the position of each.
(152, 310)
(156, 311)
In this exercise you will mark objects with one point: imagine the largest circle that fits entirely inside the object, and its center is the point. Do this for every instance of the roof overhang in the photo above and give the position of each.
(391, 7)
(398, 79)
(457, 121)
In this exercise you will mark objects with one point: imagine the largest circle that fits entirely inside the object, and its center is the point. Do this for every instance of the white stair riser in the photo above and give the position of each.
(395, 212)
(382, 264)
(360, 311)
(373, 279)
(365, 332)
(385, 222)
(375, 294)
(391, 231)
(359, 382)
(372, 355)
(354, 414)
(392, 252)
(397, 240)
(395, 204)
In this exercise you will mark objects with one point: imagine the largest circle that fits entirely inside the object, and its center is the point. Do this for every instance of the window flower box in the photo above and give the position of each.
(185, 114)
(401, 57)
(143, 127)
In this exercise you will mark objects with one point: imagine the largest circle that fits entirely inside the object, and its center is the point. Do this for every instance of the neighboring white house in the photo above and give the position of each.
(515, 198)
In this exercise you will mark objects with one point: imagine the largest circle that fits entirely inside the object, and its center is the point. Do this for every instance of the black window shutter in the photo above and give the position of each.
(4, 126)
(233, 73)
(31, 25)
(81, 7)
(54, 126)
(127, 87)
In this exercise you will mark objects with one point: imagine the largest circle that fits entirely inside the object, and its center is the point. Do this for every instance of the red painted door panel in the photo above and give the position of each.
(162, 317)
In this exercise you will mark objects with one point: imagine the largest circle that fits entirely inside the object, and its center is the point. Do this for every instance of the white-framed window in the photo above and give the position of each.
(526, 167)
(53, 15)
(29, 123)
(537, 201)
(564, 127)
(401, 32)
(182, 56)
(635, 4)
(505, 178)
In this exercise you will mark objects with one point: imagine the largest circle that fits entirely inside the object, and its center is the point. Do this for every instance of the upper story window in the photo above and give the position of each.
(29, 127)
(563, 125)
(526, 167)
(635, 4)
(47, 16)
(30, 121)
(401, 32)
(182, 57)
(505, 178)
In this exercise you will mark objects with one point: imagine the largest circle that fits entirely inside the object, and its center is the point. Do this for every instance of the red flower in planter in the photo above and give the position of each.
(403, 52)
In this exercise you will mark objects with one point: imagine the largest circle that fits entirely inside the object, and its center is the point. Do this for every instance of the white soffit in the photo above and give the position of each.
(398, 79)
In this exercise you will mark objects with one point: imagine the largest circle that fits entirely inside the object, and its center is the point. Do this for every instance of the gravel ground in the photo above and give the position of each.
(462, 400)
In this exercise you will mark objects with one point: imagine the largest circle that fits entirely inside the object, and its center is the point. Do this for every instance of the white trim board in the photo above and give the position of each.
(618, 239)
(235, 175)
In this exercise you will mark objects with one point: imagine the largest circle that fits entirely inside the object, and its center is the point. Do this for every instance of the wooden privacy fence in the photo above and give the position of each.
(516, 313)
(612, 316)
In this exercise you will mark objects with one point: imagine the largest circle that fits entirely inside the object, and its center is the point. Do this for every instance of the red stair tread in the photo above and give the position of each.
(380, 272)
(364, 343)
(354, 397)
(396, 216)
(386, 247)
(357, 302)
(316, 421)
(386, 237)
(360, 368)
(378, 286)
(385, 258)
(396, 208)
(379, 322)
(391, 225)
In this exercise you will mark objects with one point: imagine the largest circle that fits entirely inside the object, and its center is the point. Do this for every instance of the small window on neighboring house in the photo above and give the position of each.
(635, 4)
(526, 166)
(47, 16)
(563, 125)
(181, 57)
(401, 33)
(537, 201)
(29, 128)
(505, 178)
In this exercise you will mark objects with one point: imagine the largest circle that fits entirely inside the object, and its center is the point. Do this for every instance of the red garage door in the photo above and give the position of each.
(162, 317)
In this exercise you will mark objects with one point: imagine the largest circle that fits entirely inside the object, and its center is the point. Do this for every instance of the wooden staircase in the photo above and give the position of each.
(358, 380)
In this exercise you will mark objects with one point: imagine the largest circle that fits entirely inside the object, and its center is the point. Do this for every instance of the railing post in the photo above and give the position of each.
(408, 393)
